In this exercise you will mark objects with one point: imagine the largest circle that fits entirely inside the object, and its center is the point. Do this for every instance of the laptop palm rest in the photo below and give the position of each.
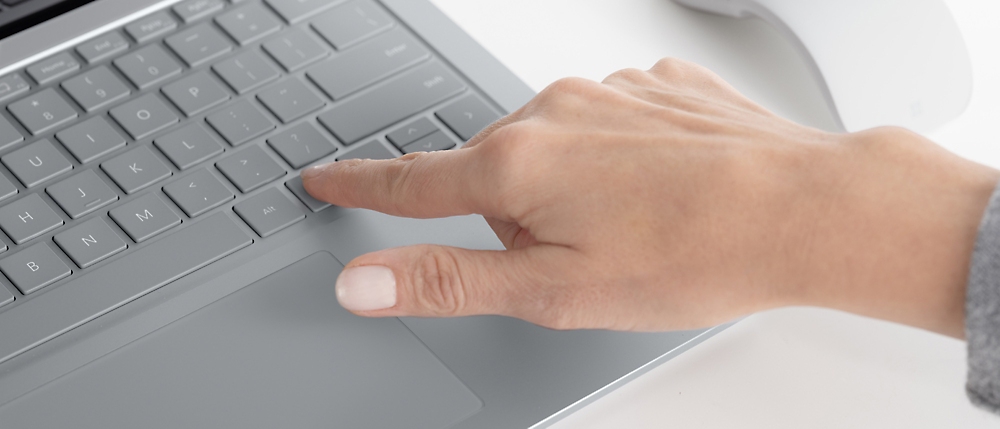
(280, 350)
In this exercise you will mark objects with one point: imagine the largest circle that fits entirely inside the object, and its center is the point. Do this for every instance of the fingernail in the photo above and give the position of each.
(366, 288)
(313, 172)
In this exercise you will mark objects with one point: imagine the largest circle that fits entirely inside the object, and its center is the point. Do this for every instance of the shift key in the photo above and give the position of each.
(392, 102)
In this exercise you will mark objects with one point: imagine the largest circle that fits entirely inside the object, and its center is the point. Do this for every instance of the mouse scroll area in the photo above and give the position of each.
(280, 350)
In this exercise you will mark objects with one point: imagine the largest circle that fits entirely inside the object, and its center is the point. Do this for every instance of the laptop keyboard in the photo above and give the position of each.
(155, 149)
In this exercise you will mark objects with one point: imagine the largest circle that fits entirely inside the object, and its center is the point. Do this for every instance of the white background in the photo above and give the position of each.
(792, 368)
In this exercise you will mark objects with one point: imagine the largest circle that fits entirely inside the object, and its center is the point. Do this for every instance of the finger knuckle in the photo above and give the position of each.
(438, 284)
(400, 178)
(567, 86)
(671, 66)
(511, 161)
(630, 75)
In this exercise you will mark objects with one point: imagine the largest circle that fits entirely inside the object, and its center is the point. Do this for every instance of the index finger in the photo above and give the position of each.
(419, 185)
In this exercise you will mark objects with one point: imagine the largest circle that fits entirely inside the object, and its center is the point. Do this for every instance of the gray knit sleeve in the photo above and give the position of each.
(982, 311)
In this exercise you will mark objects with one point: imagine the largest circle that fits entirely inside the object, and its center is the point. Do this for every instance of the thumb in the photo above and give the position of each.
(437, 281)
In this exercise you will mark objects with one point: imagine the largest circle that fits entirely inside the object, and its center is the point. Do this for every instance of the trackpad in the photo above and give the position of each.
(278, 353)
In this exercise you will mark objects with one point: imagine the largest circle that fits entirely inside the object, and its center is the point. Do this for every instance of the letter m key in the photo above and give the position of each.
(144, 216)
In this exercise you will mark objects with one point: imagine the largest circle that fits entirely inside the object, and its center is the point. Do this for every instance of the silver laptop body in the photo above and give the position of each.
(163, 268)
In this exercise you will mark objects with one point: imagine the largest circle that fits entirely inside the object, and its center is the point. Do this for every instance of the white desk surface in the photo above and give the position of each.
(792, 368)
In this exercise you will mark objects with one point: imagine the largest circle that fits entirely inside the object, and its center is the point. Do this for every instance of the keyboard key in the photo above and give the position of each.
(412, 132)
(370, 150)
(295, 49)
(144, 116)
(290, 100)
(36, 163)
(102, 290)
(42, 111)
(147, 66)
(145, 217)
(352, 22)
(196, 93)
(239, 122)
(28, 218)
(295, 185)
(434, 142)
(82, 194)
(245, 71)
(199, 44)
(250, 169)
(90, 242)
(369, 63)
(102, 47)
(188, 146)
(248, 23)
(34, 268)
(301, 145)
(467, 116)
(96, 88)
(91, 139)
(12, 85)
(7, 188)
(399, 98)
(198, 193)
(193, 10)
(296, 10)
(5, 296)
(136, 169)
(8, 134)
(151, 26)
(53, 68)
(269, 212)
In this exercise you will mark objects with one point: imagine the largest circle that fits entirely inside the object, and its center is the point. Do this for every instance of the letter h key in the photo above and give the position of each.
(27, 218)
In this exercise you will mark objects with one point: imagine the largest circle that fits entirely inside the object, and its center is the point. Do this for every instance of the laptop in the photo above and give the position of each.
(163, 266)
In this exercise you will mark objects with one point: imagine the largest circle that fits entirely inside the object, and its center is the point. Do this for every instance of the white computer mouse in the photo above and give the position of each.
(883, 62)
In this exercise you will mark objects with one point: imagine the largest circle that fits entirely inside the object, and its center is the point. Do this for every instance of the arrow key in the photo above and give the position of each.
(431, 143)
(198, 193)
(467, 116)
(250, 169)
(412, 132)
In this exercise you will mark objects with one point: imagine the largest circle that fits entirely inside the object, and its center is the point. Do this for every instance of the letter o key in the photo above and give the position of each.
(143, 114)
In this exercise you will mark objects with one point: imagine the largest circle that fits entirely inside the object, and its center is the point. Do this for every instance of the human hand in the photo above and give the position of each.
(664, 199)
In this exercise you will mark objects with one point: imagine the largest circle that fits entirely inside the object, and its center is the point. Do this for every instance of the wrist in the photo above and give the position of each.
(898, 230)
